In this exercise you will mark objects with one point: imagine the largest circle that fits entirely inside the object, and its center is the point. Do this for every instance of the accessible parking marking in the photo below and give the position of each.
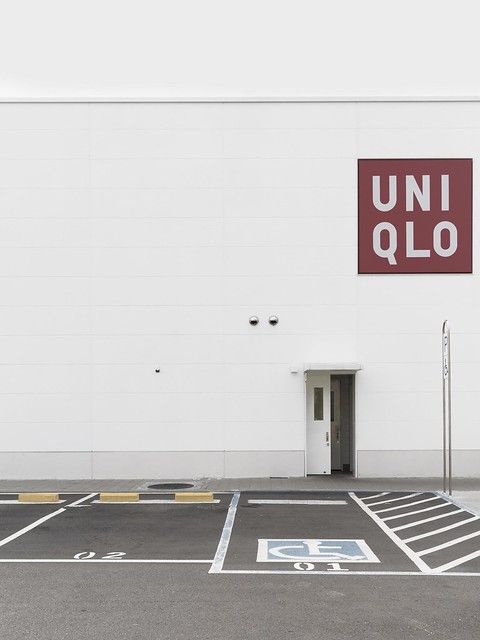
(435, 549)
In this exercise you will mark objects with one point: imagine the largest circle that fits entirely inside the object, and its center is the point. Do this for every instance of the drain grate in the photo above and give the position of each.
(171, 485)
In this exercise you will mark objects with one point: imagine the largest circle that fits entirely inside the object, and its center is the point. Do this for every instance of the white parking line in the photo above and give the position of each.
(414, 524)
(458, 561)
(400, 544)
(441, 530)
(93, 561)
(155, 502)
(404, 506)
(40, 521)
(431, 574)
(224, 541)
(450, 543)
(312, 502)
(413, 513)
(27, 503)
(377, 495)
(410, 495)
(80, 500)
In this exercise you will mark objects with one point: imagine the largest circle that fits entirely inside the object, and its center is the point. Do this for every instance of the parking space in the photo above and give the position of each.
(154, 529)
(340, 533)
(326, 532)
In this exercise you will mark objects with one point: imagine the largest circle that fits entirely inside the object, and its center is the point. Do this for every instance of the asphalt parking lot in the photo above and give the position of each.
(249, 565)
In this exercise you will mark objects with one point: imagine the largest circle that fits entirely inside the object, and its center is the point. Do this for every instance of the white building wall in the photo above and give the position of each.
(143, 236)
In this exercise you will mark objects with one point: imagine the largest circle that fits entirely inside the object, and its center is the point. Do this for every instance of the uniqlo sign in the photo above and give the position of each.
(415, 216)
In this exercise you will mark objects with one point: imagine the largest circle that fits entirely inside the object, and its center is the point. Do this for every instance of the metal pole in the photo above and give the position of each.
(449, 415)
(447, 409)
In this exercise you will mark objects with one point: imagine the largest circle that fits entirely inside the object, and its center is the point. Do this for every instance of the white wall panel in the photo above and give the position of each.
(281, 202)
(157, 261)
(42, 203)
(265, 436)
(418, 115)
(45, 408)
(45, 262)
(153, 350)
(44, 320)
(45, 173)
(177, 203)
(149, 232)
(288, 173)
(52, 116)
(45, 378)
(137, 236)
(412, 143)
(38, 349)
(187, 407)
(151, 319)
(44, 291)
(44, 144)
(156, 143)
(160, 435)
(53, 232)
(195, 378)
(45, 437)
(154, 173)
(289, 143)
(288, 260)
(286, 116)
(319, 232)
(147, 116)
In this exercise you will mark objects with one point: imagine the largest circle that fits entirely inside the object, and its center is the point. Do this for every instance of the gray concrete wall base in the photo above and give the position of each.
(416, 464)
(150, 464)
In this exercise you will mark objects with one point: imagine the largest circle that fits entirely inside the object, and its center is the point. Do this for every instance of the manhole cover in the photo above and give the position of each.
(171, 485)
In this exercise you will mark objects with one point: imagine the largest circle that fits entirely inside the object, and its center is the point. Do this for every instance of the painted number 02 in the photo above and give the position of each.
(88, 555)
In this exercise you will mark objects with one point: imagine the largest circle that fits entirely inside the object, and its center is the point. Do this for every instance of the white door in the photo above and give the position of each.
(318, 423)
(335, 430)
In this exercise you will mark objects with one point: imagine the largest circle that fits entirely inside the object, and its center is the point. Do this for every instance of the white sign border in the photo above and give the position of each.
(262, 550)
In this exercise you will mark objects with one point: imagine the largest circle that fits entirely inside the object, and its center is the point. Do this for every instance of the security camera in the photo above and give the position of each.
(254, 321)
(273, 320)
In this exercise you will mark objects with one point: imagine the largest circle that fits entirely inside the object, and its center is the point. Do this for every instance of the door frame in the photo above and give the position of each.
(336, 369)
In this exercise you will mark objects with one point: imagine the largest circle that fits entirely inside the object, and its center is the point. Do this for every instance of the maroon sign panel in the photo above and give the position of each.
(415, 216)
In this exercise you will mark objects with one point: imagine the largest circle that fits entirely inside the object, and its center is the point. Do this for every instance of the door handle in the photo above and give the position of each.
(327, 437)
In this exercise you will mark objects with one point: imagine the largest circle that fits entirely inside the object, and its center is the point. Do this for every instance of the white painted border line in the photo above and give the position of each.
(40, 521)
(134, 502)
(29, 503)
(404, 506)
(94, 561)
(424, 520)
(458, 561)
(441, 530)
(400, 544)
(309, 502)
(376, 495)
(450, 543)
(224, 541)
(410, 495)
(414, 513)
(283, 572)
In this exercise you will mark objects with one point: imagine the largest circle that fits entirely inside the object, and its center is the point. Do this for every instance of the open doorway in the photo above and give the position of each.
(330, 414)
(342, 398)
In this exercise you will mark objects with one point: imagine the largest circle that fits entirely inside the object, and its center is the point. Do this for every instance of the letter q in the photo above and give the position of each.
(389, 251)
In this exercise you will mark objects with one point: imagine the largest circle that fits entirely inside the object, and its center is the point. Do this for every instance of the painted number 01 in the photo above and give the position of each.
(88, 555)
